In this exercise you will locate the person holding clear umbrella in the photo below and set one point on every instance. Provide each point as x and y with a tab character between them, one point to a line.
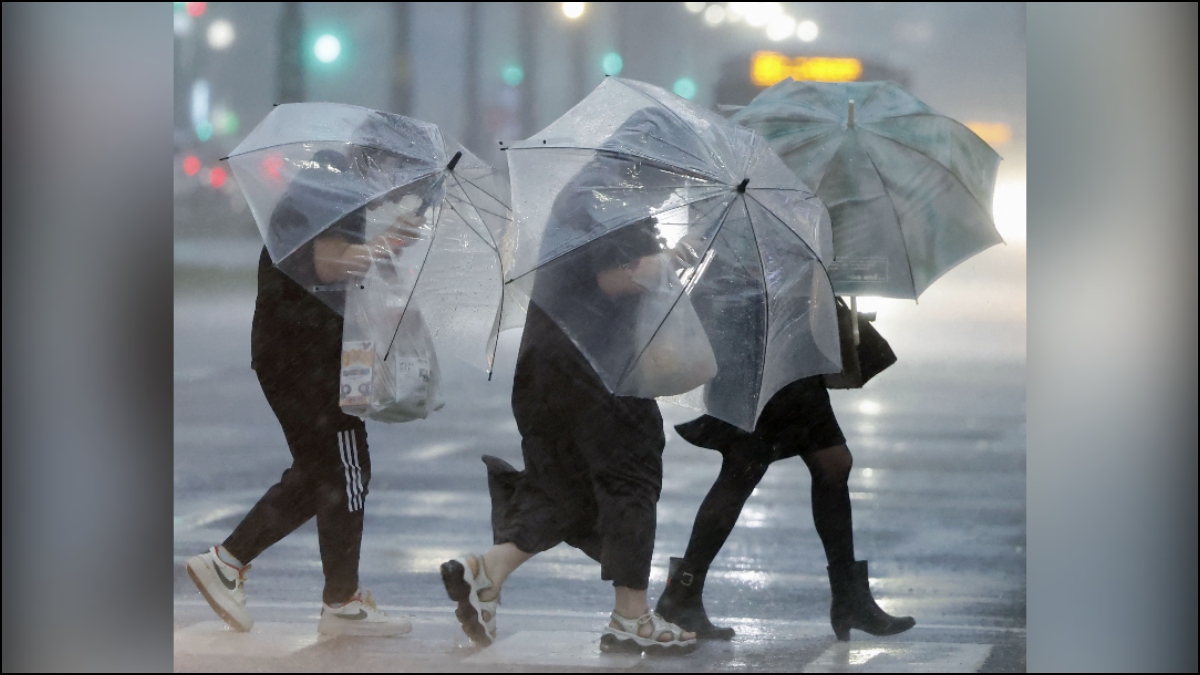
296	343
593	460
797	421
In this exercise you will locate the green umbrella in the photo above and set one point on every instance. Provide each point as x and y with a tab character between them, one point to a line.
909	191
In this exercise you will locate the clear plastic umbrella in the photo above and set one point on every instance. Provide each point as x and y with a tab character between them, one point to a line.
909	191
704	220
307	166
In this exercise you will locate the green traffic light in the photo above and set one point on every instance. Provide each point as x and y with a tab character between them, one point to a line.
226	123
685	87
204	131
513	75
612	63
327	48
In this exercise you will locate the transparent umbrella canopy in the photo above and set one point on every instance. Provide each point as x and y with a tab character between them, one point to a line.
307	166
634	173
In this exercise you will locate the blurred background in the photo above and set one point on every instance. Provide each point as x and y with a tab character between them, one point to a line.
489	72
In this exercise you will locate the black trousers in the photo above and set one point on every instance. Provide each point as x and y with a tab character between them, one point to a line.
328	479
593	461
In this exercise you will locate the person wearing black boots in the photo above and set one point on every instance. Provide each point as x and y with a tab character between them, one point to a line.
797	421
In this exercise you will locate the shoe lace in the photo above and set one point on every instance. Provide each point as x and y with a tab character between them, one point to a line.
241	576
365	596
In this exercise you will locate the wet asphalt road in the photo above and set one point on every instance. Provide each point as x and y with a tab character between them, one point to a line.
938	489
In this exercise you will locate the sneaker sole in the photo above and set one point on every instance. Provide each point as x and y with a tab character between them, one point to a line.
454	579
226	616
611	644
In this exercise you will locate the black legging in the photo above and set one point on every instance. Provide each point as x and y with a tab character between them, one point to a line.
741	473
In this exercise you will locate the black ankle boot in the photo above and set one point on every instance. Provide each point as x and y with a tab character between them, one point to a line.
683	605
853	606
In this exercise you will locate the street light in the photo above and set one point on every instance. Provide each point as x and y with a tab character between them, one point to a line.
220	34
781	28
327	48
807	31
573	10
714	15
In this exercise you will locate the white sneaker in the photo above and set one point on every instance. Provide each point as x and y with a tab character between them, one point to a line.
360	616
221	584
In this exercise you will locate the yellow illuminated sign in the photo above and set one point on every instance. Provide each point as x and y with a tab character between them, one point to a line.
768	68
994	134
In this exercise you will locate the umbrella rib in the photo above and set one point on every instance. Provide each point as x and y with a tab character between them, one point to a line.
492	242
332	140
926	156
473	231
358	205
495	332
484	190
766	290
816	137
907	258
413	292
794	233
677	116
556	257
633	363
642	159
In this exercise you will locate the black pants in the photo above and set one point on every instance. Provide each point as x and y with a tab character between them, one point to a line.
331	468
593	461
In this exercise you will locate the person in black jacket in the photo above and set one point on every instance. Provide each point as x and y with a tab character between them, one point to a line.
295	346
593	460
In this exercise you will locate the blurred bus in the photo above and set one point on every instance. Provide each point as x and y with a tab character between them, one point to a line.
744	76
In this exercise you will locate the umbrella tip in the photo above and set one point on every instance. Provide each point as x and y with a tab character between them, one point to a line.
742	186
454	161
223	158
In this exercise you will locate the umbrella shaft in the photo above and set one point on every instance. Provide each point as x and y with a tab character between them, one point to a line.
854	318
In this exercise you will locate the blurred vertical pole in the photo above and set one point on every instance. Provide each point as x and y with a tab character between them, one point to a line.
473	138
579	84
528	29
289	70
183	79
401	98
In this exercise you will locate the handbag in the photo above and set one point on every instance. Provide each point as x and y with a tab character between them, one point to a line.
677	356
871	356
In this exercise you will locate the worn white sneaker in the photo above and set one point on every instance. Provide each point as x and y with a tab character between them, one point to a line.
361	617
221	585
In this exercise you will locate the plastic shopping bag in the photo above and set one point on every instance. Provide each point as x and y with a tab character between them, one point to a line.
389	366
677	356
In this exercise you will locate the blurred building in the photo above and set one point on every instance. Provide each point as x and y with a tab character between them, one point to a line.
489	72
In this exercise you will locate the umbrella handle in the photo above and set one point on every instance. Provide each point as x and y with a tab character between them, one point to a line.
854	318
